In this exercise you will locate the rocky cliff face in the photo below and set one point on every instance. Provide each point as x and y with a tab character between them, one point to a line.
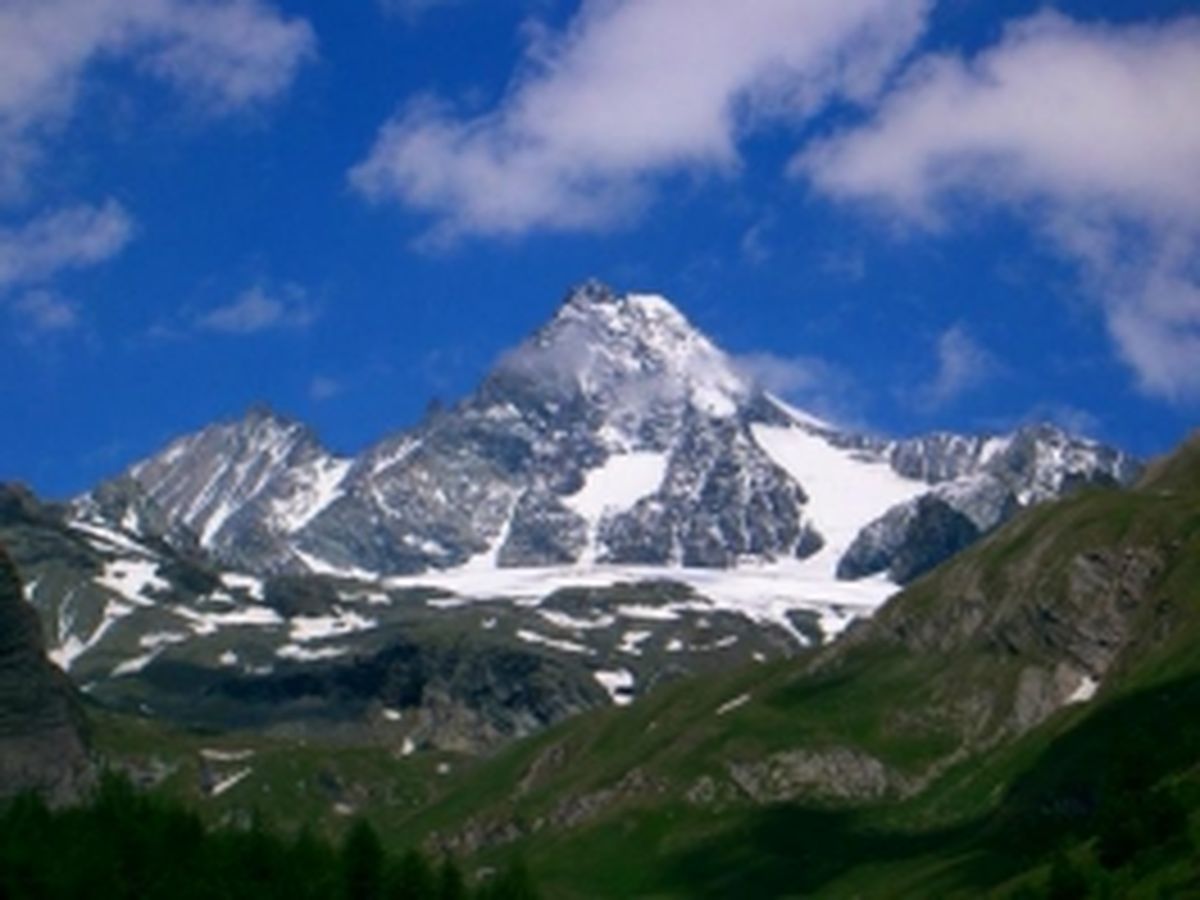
41	726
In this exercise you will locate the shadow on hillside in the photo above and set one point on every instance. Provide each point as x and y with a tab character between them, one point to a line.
794	851
1101	770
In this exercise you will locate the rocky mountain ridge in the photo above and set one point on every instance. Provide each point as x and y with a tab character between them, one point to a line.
617	433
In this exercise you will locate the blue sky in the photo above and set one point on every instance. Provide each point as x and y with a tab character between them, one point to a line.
905	215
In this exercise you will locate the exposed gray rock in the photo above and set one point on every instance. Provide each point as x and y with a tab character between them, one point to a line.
984	481
42	745
722	498
833	774
908	541
543	532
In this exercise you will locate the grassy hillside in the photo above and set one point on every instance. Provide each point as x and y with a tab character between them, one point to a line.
1024	721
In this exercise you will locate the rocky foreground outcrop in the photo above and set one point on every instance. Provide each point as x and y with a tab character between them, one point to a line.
42	745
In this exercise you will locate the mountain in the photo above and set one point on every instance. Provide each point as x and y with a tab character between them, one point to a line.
42	743
615	506
615	434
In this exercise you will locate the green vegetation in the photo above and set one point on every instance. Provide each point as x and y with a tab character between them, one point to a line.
942	750
127	845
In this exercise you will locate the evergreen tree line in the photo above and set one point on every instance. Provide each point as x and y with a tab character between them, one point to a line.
125	845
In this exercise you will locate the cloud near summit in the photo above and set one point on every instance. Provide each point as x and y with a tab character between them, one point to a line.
627	93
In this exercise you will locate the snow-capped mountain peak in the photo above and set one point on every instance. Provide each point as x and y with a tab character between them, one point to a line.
632	358
616	434
262	466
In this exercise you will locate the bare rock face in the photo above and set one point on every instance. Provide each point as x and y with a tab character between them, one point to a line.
42	746
832	774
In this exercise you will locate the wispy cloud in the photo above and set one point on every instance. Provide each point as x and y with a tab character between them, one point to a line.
255	311
323	387
629	91
815	385
42	313
71	238
755	246
1090	133
962	365
225	55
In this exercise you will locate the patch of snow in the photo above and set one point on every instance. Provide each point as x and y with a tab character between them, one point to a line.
723	643
215	755
236	581
315	628
675	645
69	650
992	448
228	658
158	639
132	579
317	486
307	654
114	539
846	491
371	598
318	566
489	623
408	748
206	623
649	613
575	623
617	484
764	592
731	705
227	784
392	715
533	637
446	602
619	684
136	664
1085	691
631	642
401	452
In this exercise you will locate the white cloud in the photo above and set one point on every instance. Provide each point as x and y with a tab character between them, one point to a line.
963	365
71	238
225	54
812	384
1088	131
322	387
255	311
630	91
42	312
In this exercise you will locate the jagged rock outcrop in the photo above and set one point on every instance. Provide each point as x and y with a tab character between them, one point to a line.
42	746
978	485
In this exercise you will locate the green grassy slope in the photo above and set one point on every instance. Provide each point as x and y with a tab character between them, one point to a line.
935	751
